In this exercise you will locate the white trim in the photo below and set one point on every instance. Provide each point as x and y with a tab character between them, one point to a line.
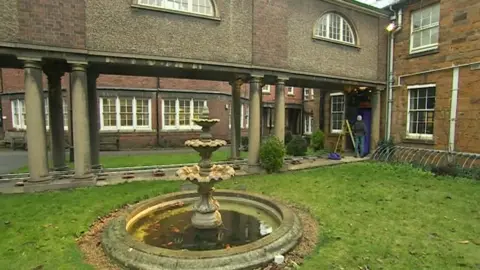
328	16
118	127
418	136
431	46
417	86
308	118
177	6
290	90
336	131
177	127
266	88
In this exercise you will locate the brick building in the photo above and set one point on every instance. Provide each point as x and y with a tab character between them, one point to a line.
146	112
436	78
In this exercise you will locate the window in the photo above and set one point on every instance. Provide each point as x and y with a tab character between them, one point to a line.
308	93
291	91
18	114
178	114
337	109
19	120
242	108
202	7
421	111
269	118
424	29
334	27
125	113
308	124
266	89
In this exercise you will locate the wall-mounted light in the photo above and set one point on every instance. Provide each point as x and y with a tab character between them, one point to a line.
392	26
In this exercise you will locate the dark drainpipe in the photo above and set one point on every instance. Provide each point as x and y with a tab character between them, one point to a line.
323	94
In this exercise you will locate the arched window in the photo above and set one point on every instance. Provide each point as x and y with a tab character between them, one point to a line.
202	7
333	26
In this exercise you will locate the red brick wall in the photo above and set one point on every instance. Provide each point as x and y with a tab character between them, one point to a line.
54	22
459	41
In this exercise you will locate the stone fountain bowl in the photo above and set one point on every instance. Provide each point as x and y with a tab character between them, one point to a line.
203	145
126	249
205	122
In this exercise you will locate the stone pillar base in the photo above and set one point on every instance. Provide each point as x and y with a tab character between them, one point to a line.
61	169
89	177
254	169
30	188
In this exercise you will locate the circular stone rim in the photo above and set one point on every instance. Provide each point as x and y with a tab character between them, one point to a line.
123	248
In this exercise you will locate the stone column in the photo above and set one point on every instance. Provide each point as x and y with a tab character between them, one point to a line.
94	120
236	131
254	122
376	113
81	127
280	109
35	120
57	125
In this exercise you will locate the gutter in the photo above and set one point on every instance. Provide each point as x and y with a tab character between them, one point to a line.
156	111
390	78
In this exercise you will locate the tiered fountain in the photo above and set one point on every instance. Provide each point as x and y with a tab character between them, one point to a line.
205	175
188	230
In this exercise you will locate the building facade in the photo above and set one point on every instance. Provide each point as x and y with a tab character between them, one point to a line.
436	99
328	44
149	112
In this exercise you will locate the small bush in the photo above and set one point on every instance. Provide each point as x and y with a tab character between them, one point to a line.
288	137
317	140
297	146
244	143
272	153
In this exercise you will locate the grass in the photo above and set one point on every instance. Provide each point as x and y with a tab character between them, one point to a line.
118	161
375	215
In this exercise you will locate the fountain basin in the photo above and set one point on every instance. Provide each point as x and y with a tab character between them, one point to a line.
123	244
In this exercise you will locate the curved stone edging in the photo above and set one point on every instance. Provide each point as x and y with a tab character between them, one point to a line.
132	254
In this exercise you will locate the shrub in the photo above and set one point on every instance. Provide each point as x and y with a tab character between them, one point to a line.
297	146
317	140
272	153
244	143
288	137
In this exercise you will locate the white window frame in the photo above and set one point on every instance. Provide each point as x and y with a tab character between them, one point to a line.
318	33
266	88
290	90
312	93
419	135
308	94
172	5
431	46
192	125
270	118
308	124
23	118
15	105
134	126
331	112
230	117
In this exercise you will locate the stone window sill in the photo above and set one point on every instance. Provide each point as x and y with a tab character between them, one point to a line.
423	53
213	18
336	42
127	131
419	141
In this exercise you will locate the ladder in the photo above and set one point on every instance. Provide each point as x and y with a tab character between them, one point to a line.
346	129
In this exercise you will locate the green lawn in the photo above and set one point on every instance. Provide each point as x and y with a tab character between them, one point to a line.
118	161
383	216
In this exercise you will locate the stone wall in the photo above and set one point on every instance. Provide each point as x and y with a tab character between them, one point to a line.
459	40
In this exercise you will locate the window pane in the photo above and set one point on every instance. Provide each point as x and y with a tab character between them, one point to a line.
109	112
142	112
184	113
435	14
169	112
126	112
421	115
197	108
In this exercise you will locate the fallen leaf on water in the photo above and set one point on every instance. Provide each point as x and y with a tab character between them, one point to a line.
464	242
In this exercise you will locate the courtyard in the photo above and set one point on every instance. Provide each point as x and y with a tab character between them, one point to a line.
370	215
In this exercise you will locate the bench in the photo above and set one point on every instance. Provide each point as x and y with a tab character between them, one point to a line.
110	140
16	139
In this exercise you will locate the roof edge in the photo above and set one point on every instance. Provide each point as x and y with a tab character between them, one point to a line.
362	7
